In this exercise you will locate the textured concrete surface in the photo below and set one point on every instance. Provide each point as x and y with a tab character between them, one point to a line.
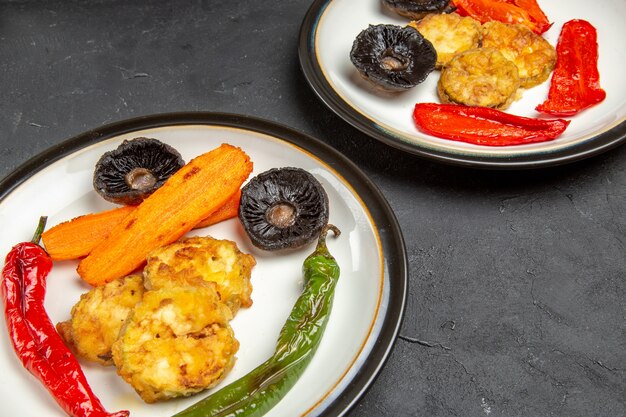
517	301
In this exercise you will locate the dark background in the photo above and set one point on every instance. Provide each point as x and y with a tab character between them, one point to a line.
517	291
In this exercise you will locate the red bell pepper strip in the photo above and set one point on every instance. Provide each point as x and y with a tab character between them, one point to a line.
536	14
523	12
575	83
483	125
34	339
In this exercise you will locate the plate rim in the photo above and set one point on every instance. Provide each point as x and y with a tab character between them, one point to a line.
316	79
395	259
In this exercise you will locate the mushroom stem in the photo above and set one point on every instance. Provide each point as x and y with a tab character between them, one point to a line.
281	215
140	179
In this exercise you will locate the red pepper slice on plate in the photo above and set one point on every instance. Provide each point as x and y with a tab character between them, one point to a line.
35	341
483	125
523	12
536	14
575	83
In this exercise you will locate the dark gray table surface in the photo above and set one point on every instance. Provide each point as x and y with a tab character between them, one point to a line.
517	299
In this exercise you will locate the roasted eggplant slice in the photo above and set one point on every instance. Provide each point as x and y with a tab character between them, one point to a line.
392	57
479	77
417	9
534	57
450	34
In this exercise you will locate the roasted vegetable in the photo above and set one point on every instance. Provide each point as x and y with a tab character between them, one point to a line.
196	260
417	9
176	342
190	195
450	34
479	77
523	12
575	84
75	238
135	169
98	316
34	339
393	58
484	126
283	208
226	211
533	56
261	389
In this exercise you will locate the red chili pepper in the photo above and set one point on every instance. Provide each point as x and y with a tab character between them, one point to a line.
34	339
575	83
523	12
483	125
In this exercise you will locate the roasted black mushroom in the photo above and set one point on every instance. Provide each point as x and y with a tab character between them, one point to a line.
133	171
417	9
394	58
283	208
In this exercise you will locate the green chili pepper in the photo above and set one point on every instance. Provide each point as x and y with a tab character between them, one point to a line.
257	392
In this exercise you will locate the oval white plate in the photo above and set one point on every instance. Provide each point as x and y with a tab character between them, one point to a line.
331	26
370	296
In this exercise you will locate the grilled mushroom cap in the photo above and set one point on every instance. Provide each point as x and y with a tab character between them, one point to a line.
417	9
133	171
394	58
283	208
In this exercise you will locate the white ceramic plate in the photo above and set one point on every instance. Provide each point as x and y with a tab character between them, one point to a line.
369	298
331	26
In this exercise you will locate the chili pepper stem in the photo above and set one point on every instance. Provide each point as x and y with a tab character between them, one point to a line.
321	248
39	231
325	230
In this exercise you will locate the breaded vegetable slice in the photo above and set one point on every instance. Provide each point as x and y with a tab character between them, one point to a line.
479	77
176	342
98	316
199	259
450	34
533	55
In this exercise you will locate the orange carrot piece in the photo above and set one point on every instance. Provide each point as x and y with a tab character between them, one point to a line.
190	195
229	210
75	238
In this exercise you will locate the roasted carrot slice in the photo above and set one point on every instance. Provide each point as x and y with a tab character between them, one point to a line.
75	238
225	212
186	198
